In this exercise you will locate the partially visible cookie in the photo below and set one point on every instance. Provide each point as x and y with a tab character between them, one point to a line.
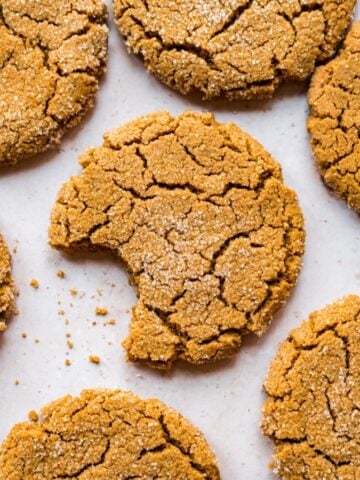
334	99
52	54
198	214
107	435
237	49
313	410
7	288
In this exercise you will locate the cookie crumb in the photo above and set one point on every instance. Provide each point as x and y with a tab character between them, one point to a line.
67	362
94	359
70	344
111	321
17	382
24	335
101	311
34	283
61	312
33	416
60	274
73	292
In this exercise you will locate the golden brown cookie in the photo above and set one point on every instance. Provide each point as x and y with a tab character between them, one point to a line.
51	56
238	49
312	413
334	99
198	214
7	288
107	435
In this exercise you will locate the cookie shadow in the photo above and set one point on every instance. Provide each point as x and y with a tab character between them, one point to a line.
219	105
9	322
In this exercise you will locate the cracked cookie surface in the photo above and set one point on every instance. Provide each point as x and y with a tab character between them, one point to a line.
107	435
312	413
237	49
7	288
51	56
198	214
334	100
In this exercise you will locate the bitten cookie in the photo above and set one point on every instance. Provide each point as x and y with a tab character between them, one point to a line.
334	99
107	435
238	49
52	54
198	214
312	413
7	288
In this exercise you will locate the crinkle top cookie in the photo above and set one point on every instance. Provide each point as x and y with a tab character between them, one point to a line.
239	49
198	214
7	288
312	413
107	435
51	56
334	99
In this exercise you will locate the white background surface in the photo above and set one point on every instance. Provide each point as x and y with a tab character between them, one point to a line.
223	400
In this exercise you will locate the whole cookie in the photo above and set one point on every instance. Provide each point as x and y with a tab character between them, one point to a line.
312	413
51	56
107	435
7	288
334	99
198	214
239	49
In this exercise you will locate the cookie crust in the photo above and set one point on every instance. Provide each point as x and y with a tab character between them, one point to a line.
198	214
239	49
51	57
7	288
334	100
107	435
312	413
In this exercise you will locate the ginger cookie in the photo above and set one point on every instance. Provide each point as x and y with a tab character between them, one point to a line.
107	435
238	49
198	214
312	413
7	288
51	57
334	99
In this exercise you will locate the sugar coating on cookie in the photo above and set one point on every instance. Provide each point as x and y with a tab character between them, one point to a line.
198	214
7	288
312	413
107	435
238	49
51	56
334	100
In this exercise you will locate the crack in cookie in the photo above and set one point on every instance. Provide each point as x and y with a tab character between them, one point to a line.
7	287
51	58
334	100
312	413
198	214
107	435
239	49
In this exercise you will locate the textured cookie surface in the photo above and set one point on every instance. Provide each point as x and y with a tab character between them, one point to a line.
107	435
237	48
198	213
312	413
7	289
334	99
51	55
